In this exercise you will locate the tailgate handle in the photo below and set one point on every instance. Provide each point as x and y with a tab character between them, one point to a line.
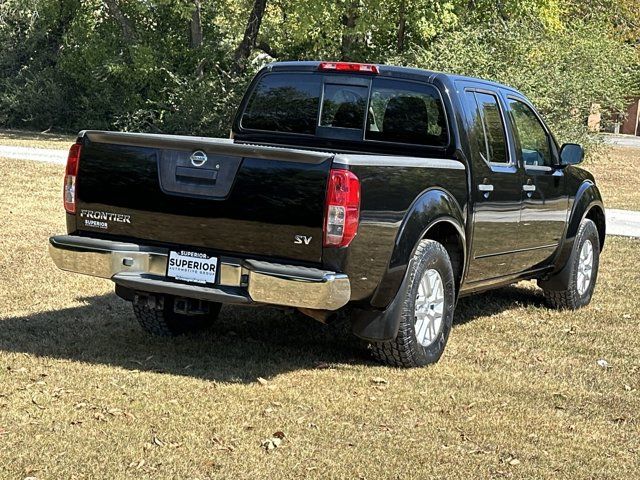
197	174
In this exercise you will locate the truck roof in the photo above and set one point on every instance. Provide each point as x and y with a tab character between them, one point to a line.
394	70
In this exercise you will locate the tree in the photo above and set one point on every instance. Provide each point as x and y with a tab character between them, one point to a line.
242	53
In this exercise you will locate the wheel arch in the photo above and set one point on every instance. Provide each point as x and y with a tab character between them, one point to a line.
597	216
450	234
587	204
434	215
435	212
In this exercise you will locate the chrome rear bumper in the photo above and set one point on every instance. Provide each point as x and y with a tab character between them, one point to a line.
239	281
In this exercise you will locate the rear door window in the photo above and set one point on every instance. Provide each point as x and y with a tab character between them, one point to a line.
285	103
487	126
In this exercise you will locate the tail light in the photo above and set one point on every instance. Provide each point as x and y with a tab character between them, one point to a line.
342	208
349	67
69	194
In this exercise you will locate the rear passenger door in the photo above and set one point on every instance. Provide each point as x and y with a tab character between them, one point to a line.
496	185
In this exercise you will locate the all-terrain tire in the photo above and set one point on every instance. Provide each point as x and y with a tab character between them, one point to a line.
568	296
405	350
156	316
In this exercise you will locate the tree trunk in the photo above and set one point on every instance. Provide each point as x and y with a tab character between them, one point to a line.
349	36
196	25
402	23
196	37
250	37
128	32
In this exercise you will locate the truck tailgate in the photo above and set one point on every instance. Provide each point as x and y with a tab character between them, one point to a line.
210	194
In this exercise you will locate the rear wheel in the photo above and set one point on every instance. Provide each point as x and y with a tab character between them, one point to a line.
168	316
427	312
577	288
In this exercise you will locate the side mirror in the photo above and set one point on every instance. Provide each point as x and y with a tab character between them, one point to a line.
571	154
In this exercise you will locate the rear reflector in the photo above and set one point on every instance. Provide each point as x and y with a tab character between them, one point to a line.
71	173
342	211
348	67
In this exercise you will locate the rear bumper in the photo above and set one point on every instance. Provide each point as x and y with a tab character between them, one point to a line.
142	268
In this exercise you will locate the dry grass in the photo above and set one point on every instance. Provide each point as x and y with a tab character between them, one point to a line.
616	172
21	138
84	393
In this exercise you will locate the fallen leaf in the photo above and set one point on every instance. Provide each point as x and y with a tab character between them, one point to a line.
271	443
262	381
157	441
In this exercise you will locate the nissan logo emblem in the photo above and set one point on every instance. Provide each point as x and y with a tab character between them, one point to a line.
198	158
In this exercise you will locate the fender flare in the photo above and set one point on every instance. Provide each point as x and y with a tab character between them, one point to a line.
587	198
431	208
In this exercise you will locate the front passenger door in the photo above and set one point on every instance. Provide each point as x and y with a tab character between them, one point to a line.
545	202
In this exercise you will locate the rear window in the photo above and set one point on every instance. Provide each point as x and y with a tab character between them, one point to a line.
404	112
385	110
284	103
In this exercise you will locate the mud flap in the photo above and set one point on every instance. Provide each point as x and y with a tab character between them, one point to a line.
380	325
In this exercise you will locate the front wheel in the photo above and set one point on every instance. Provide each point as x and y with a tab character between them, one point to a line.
427	311
576	287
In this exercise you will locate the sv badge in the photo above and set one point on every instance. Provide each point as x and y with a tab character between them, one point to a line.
301	240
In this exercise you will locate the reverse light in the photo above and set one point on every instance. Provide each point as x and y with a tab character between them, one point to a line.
342	211
348	67
71	173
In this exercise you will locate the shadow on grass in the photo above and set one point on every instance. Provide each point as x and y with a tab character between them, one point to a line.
496	301
245	343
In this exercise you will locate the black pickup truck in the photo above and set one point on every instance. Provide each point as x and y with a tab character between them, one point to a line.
381	191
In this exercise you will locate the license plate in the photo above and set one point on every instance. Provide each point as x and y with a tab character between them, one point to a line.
192	267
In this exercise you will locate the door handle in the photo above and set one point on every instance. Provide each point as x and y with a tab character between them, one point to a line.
486	188
529	189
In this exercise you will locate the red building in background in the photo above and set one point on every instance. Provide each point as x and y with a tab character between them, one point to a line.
631	125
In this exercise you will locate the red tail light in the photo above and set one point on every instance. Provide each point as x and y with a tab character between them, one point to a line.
348	67
69	194
342	211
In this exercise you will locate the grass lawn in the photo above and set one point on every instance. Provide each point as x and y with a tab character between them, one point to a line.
21	138
615	172
84	393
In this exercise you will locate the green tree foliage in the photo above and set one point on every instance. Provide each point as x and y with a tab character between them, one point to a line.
181	66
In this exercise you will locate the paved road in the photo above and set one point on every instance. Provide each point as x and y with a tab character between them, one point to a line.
619	222
621	140
37	154
625	223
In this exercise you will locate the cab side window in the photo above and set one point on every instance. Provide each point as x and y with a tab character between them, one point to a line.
534	143
487	126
